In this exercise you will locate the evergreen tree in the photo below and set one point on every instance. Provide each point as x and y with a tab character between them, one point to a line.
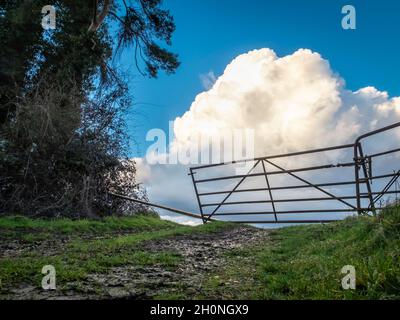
62	103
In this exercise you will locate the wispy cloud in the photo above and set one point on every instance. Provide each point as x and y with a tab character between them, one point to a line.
208	79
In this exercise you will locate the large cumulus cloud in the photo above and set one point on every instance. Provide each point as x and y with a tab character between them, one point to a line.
292	103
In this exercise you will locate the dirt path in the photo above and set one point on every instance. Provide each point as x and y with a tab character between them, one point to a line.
203	254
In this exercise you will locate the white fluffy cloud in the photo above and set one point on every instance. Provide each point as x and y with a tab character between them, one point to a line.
293	103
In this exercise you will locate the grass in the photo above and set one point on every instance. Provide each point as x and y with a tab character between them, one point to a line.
305	262
68	226
88	247
301	262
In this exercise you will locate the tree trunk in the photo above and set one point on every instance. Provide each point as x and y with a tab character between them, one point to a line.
98	19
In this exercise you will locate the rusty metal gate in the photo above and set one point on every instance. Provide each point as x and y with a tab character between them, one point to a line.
360	184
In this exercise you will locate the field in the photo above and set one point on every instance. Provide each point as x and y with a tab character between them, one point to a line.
143	257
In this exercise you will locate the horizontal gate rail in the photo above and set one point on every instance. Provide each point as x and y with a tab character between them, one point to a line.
383	153
285	212
285	155
283	221
279	200
329	166
333	184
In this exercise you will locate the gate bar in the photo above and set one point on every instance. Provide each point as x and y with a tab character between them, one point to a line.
283	171
197	194
185	213
289	212
311	184
237	186
298	153
269	190
296	187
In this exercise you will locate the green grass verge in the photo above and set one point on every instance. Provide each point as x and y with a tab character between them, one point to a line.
67	226
305	262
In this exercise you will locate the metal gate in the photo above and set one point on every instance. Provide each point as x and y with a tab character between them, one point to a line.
364	188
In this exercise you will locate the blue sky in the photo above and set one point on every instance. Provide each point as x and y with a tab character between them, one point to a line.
210	33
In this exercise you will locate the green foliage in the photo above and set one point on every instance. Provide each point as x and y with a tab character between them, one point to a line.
63	141
143	26
20	42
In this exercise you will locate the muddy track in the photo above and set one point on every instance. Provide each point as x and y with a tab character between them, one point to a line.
203	255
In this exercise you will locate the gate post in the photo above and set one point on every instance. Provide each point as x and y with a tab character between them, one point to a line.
357	177
367	177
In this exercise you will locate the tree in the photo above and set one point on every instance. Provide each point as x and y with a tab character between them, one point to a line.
20	41
62	132
141	23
